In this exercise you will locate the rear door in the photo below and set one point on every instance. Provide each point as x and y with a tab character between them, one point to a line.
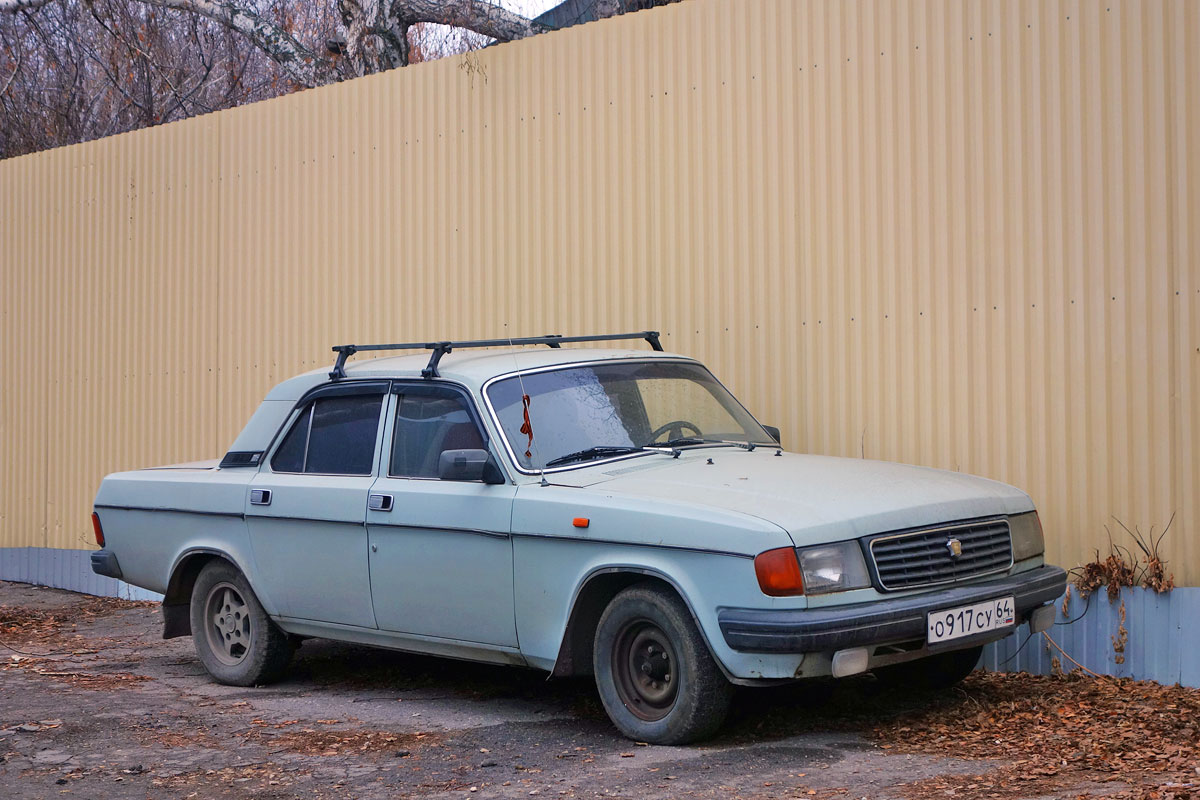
441	555
306	508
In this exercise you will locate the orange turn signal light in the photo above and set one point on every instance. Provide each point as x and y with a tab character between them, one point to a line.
779	573
97	529
581	522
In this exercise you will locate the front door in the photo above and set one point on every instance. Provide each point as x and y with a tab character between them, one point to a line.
306	509
441	555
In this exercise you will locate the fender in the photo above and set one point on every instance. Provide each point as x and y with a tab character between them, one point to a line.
575	649
176	604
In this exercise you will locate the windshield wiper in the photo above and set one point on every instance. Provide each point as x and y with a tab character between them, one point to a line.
598	451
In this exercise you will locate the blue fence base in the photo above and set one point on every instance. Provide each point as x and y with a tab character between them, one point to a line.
1140	635
64	569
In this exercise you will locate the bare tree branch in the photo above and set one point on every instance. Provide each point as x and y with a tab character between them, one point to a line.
81	69
475	15
299	62
381	21
13	76
13	6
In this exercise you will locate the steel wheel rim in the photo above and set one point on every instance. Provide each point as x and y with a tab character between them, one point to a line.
227	624
645	666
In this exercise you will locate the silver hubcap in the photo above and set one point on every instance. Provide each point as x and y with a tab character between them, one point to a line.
228	622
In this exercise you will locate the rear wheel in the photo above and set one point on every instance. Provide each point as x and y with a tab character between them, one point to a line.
939	671
235	639
654	673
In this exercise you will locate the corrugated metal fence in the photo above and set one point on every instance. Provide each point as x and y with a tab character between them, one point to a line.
960	234
1140	635
63	568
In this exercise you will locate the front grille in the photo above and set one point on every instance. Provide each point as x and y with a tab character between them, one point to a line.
923	558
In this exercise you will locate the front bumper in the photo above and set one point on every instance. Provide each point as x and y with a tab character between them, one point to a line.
879	622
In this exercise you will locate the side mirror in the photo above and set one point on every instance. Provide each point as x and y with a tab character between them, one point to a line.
469	465
771	429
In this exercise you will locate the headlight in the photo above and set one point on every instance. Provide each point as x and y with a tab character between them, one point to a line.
1027	541
833	568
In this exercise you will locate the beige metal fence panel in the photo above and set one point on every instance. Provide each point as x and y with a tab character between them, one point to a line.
958	234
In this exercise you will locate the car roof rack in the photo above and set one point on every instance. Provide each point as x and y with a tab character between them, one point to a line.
344	351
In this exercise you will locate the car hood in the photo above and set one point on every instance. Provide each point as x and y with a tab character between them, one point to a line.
814	498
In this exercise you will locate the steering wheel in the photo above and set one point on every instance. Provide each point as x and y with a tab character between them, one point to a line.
675	428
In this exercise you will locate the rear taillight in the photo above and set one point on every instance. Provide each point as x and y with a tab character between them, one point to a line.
99	530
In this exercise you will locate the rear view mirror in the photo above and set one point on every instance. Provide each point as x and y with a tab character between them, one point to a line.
771	429
469	465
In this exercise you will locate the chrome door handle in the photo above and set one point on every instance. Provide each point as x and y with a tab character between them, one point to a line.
260	497
379	502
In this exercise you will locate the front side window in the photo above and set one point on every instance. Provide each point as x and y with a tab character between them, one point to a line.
332	436
579	414
429	421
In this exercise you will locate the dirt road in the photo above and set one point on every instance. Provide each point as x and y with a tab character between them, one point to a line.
94	704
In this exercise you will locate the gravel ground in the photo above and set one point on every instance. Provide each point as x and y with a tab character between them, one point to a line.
94	704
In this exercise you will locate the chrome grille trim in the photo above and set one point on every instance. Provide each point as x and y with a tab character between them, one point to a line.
914	559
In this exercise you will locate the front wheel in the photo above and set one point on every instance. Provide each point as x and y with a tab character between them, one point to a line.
236	641
655	676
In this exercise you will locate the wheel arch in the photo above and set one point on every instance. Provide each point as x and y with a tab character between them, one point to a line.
177	599
595	592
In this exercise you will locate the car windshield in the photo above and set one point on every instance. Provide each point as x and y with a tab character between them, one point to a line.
579	414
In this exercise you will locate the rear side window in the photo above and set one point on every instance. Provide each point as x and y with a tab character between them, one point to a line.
332	436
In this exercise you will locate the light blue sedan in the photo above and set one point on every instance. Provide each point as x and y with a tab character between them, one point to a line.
613	512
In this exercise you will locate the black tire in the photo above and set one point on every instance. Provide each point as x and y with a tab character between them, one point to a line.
655	676
939	671
236	641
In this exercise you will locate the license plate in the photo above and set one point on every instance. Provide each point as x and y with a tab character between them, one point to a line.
954	623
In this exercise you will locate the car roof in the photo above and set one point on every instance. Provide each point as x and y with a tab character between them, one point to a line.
471	367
